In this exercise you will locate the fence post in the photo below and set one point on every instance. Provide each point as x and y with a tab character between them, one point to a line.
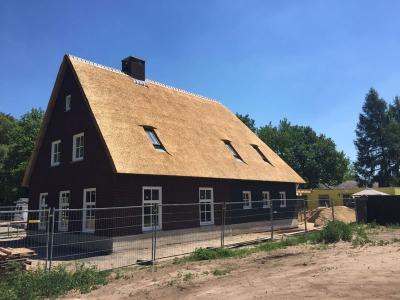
52	216
333	209
223	225
47	238
305	214
153	233
155	228
271	218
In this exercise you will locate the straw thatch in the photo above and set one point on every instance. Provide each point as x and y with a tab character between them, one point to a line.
190	127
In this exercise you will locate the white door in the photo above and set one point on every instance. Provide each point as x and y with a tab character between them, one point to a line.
206	203
43	211
152	209
63	211
89	212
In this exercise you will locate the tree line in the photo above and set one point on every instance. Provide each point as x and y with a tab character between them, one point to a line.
313	156
17	139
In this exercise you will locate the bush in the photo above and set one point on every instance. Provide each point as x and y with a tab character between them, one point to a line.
38	284
335	231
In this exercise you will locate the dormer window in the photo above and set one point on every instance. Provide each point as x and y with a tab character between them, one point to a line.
68	103
55	153
261	154
151	134
232	150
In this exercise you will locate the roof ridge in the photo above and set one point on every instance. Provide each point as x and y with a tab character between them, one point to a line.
181	90
140	82
137	81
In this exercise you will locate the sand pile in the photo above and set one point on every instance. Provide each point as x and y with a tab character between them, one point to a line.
321	215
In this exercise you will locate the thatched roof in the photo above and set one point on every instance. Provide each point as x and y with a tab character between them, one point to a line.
192	129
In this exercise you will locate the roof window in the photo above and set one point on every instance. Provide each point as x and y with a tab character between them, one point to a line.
232	150
151	134
261	154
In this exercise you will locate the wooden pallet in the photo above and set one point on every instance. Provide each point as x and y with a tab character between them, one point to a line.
10	257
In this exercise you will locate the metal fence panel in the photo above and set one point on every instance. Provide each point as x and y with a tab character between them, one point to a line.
122	236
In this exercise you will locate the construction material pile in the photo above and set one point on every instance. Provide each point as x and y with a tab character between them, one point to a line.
10	257
321	215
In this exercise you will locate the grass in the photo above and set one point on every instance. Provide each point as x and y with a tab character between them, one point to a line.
201	254
220	272
40	284
333	232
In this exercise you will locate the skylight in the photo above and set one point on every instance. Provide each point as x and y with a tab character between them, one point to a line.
232	150
151	134
261	154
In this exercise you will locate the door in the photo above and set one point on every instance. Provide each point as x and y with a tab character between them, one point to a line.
89	210
206	204
152	209
43	211
63	211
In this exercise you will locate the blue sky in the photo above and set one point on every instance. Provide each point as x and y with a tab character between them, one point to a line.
311	62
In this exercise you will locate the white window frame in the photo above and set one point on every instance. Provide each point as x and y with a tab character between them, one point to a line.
63	209
75	138
248	206
85	204
159	202
68	99
54	154
266	198
207	201
282	197
42	210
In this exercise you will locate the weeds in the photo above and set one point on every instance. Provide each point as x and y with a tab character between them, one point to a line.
220	272
38	284
336	231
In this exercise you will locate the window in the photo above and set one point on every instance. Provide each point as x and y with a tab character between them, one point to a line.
152	208
232	150
43	211
78	147
246	199
323	200
89	210
206	203
63	211
68	103
154	139
266	200
55	153
261	154
282	197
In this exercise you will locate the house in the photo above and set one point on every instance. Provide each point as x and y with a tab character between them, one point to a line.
340	194
112	138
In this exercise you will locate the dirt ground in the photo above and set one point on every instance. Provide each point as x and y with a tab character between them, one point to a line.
313	272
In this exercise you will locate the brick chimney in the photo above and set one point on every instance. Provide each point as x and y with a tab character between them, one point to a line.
134	67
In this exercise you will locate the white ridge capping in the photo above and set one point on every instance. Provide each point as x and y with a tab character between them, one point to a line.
139	82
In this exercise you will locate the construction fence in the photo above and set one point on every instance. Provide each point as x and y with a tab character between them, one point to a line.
123	236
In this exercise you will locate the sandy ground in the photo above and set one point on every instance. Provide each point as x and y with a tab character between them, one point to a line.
340	271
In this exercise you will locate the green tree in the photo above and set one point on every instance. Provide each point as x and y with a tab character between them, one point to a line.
8	125
393	139
312	156
20	142
372	142
249	122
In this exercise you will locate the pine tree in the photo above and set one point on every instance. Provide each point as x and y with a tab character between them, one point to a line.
373	159
393	138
